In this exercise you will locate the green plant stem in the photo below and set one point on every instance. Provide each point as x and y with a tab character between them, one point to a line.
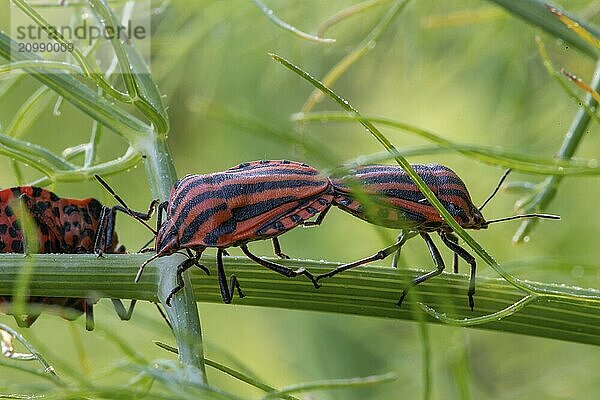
141	88
370	291
487	154
361	50
565	84
77	93
130	159
423	188
269	13
537	13
34	354
231	372
32	154
426	359
350	11
40	64
184	312
331	384
542	198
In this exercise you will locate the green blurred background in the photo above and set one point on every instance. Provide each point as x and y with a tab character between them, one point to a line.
463	68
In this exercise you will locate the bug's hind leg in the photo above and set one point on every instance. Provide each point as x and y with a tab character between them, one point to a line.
469	259
141	215
402	238
124	314
454	239
89	314
25	321
277	249
290	273
380	255
439	264
226	290
320	217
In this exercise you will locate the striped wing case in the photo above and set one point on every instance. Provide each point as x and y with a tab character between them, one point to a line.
252	201
385	195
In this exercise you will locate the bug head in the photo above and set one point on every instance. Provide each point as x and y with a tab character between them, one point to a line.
475	219
167	241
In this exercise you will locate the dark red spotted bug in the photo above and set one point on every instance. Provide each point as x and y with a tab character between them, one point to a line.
385	195
63	226
253	201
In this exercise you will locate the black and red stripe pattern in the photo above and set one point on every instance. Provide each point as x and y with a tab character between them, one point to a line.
63	226
396	202
385	195
252	201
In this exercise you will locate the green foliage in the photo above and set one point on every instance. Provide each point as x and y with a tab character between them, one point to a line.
464	76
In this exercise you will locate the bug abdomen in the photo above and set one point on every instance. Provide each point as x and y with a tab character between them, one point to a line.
251	201
381	212
396	202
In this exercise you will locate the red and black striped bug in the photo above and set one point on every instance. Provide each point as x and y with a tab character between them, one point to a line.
63	225
252	201
394	201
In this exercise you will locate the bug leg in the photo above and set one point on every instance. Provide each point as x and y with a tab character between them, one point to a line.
380	255
163	315
402	238
145	247
181	268
439	264
25	321
196	263
89	315
290	273
106	224
226	290
469	259
453	238
141	269
319	219
225	253
277	249
141	215
162	207
124	315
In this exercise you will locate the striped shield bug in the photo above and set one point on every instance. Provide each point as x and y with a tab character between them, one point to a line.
385	195
63	225
252	201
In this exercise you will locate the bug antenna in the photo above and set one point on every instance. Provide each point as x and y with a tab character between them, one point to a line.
496	189
141	270
122	202
534	215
